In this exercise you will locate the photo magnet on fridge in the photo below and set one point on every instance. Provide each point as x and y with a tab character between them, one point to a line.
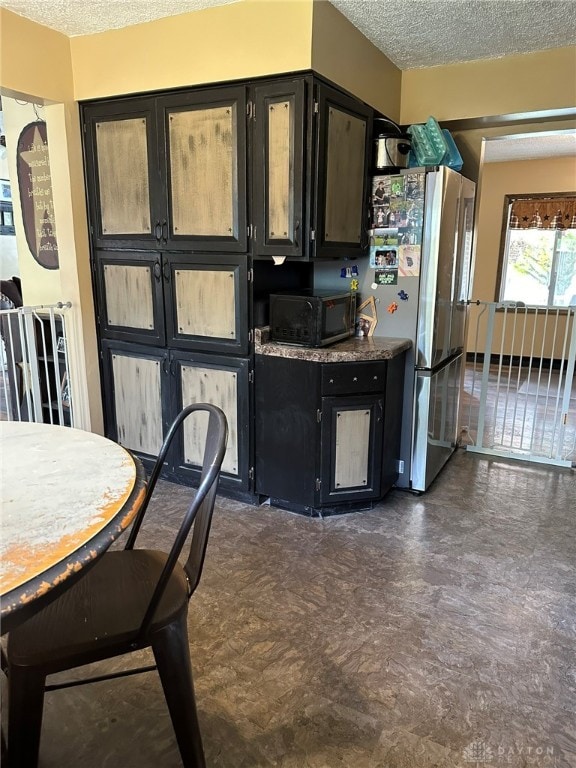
409	260
386	276
383	257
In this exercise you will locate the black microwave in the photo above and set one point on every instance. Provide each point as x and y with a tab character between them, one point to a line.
312	319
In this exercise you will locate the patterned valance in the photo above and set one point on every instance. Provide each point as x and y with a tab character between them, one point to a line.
543	213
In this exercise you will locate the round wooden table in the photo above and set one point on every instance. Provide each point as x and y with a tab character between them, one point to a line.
65	496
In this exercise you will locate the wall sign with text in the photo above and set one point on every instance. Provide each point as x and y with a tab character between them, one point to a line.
35	183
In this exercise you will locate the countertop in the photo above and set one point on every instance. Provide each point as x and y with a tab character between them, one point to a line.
350	350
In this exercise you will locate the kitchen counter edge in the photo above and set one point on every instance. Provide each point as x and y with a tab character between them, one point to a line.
350	350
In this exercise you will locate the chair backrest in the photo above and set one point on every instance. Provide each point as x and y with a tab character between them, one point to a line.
200	510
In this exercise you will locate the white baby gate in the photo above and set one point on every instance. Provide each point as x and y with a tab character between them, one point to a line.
518	398
35	374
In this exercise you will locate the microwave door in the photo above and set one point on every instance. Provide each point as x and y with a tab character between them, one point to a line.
337	319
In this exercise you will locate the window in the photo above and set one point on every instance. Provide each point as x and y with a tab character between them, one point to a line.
6	219
538	257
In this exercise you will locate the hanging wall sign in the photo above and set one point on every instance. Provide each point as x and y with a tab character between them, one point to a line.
35	183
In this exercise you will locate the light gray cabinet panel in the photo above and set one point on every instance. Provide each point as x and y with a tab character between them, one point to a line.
206	303
352	448
219	387
122	152
137	383
278	164
130	296
342	174
346	147
202	179
129	299
281	169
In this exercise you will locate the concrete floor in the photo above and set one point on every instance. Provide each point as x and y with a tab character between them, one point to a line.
434	631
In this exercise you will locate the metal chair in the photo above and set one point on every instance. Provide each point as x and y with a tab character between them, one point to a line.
129	600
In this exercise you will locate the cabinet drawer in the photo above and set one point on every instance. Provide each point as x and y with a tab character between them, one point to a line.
353	378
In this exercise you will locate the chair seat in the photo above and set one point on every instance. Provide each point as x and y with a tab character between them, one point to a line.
101	611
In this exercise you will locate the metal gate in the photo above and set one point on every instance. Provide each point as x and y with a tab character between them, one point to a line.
34	369
519	399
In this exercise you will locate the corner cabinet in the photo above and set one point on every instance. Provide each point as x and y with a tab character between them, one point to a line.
327	434
186	191
340	197
311	168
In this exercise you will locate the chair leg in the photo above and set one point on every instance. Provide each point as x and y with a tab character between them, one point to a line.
25	705
172	655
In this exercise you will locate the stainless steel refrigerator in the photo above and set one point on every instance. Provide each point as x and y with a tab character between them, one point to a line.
419	274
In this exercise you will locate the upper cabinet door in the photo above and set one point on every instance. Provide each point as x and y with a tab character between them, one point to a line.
279	122
123	174
342	174
205	165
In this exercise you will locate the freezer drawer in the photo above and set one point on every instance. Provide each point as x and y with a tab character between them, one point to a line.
437	396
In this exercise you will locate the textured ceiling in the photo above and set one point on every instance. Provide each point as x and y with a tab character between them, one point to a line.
412	33
427	33
531	146
77	17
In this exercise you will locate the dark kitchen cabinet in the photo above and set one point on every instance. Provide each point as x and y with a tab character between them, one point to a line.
147	387
207	302
222	381
279	160
351	448
340	200
169	171
130	296
187	301
190	195
311	164
320	431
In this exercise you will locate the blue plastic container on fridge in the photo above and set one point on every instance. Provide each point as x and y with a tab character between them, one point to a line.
452	158
428	142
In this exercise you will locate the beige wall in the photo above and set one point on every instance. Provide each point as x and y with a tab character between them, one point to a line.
242	40
64	141
498	180
342	54
247	39
530	82
34	60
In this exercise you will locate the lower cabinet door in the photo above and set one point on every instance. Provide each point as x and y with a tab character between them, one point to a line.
136	396
221	381
351	448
